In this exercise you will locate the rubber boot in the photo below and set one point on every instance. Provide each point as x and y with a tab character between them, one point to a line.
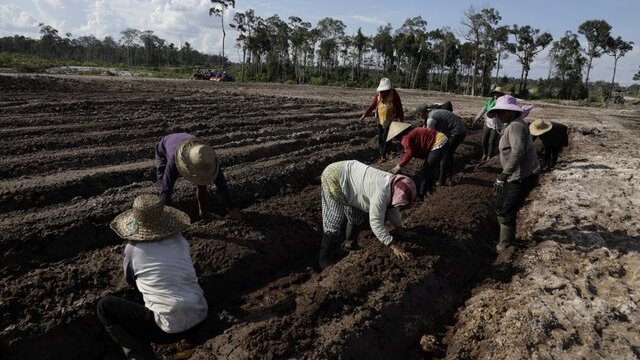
351	237
327	248
507	236
133	348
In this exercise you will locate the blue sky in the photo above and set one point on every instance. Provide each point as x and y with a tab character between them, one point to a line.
187	20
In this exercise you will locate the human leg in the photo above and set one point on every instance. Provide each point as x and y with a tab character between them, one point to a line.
333	219
132	326
429	167
486	143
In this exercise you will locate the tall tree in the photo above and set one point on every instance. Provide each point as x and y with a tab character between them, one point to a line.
361	45
476	24
218	9
617	48
636	77
568	62
48	40
597	33
298	37
331	31
129	38
383	45
501	39
529	42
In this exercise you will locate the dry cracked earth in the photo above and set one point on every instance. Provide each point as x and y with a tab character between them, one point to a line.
77	150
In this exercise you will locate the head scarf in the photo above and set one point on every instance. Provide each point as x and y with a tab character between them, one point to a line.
403	191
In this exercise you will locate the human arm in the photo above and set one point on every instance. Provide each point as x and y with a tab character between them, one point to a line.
168	182
516	136
408	152
222	190
371	107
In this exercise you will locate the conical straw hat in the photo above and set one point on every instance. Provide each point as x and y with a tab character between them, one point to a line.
396	128
197	162
149	220
539	127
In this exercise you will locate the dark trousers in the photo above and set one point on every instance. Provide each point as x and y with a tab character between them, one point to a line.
132	326
489	141
446	164
512	198
382	139
425	178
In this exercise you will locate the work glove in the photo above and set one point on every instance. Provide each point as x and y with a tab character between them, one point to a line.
396	169
498	187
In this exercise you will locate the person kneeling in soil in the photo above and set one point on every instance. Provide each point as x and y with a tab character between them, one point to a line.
350	191
520	167
422	143
388	108
453	127
183	154
554	137
157	263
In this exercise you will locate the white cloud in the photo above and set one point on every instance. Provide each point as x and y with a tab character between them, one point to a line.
15	21
367	20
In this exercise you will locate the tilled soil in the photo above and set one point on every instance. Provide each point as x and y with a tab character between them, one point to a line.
77	150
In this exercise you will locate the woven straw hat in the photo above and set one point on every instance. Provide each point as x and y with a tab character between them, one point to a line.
197	162
396	128
385	84
149	220
498	90
539	127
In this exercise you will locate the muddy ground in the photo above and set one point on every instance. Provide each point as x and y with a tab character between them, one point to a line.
77	150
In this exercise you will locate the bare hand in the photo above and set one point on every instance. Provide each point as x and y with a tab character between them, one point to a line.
235	214
399	252
396	169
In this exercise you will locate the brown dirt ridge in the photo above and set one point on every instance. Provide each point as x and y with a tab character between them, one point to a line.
77	150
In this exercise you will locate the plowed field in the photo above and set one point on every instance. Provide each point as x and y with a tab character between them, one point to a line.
76	151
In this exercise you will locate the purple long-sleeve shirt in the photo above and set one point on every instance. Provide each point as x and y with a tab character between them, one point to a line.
168	173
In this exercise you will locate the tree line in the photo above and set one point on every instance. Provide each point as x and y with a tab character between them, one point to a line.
468	60
133	48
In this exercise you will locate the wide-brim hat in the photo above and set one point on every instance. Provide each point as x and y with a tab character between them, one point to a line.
396	128
539	127
505	102
197	162
149	220
385	84
498	90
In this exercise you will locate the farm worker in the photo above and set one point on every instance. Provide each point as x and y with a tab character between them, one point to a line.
351	191
388	108
492	127
554	137
158	264
520	167
452	126
423	143
183	154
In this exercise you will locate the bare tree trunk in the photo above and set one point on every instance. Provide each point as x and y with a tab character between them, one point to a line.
613	79
586	82
224	34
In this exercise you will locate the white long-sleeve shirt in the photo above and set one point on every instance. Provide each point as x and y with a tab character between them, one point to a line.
167	280
369	190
